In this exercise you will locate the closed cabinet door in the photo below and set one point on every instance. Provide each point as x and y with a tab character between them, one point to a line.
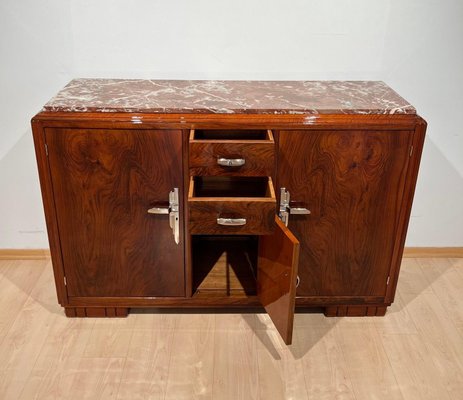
104	183
353	184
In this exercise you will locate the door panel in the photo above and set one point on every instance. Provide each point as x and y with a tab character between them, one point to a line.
104	181
353	184
276	277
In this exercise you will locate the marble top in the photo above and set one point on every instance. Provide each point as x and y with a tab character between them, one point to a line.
227	97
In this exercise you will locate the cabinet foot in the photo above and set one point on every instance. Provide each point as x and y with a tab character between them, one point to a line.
96	312
355	311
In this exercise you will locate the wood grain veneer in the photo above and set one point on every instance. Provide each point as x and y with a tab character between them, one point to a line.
259	154
276	277
41	152
225	121
104	181
353	183
406	209
251	200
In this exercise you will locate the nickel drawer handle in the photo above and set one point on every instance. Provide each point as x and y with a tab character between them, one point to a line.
299	210
231	221
231	162
159	210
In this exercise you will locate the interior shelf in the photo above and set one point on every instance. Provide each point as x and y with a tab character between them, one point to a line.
225	264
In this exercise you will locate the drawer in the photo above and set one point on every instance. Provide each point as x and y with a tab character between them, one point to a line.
231	153
231	205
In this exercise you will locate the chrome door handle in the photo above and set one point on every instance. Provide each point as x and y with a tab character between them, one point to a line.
285	209
298	210
173	212
231	162
159	210
231	221
174	222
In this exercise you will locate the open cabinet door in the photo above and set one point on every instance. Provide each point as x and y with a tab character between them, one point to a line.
276	277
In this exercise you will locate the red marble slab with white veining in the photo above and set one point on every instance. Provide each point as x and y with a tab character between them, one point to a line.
226	97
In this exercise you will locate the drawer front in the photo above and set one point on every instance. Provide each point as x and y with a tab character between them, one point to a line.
231	206
259	216
213	157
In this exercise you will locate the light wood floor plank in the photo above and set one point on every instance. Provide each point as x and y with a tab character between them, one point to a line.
457	263
397	319
280	372
23	342
414	352
411	278
310	319
147	365
55	369
323	364
235	322
460	330
191	365
4	266
97	378
196	320
413	368
446	283
235	365
367	363
440	339
17	281
154	319
110	338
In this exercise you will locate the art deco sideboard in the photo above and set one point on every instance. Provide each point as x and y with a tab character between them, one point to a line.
227	194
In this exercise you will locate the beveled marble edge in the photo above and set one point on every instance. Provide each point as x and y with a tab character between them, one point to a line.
228	97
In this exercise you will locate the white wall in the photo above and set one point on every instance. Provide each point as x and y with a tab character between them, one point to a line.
414	46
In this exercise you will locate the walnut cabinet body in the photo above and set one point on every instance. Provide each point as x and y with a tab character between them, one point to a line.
100	173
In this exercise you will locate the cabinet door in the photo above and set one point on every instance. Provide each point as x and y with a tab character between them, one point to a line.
276	277
104	181
353	184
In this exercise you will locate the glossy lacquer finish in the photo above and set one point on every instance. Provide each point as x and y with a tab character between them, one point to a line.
276	277
353	183
257	155
252	200
104	181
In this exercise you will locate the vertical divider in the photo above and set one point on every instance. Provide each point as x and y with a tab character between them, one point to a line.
186	182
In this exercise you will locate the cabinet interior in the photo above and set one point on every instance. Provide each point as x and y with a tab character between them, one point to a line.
229	134
230	186
225	265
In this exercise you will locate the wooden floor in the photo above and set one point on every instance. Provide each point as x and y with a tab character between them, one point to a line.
415	352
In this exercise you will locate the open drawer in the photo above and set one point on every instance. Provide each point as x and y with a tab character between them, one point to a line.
231	152
231	206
